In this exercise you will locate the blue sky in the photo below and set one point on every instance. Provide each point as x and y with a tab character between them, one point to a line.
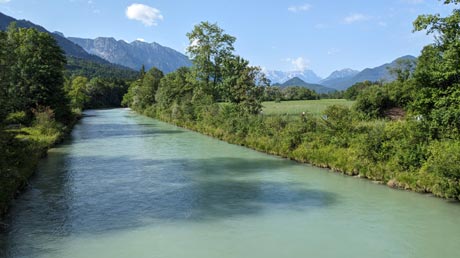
278	35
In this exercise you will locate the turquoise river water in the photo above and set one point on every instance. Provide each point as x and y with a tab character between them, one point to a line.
125	185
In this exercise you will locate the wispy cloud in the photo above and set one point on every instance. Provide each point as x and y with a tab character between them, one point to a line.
333	51
299	63
321	26
299	8
148	15
413	1
356	17
4	1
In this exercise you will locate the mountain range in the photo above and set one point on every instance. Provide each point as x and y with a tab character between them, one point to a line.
342	79
108	53
369	74
134	54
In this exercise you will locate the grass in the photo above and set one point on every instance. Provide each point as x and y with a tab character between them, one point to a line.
315	107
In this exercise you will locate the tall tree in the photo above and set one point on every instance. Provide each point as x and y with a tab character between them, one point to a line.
5	73
37	71
144	93
174	87
209	48
78	92
438	72
243	84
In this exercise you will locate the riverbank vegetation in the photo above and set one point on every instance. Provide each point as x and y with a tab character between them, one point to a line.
40	101
403	133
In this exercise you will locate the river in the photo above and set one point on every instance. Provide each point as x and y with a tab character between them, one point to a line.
125	185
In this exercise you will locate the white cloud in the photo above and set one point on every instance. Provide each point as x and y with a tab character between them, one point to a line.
299	8
299	63
356	17
149	16
4	1
383	24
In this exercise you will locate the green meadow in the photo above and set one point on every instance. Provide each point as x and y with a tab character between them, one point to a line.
314	107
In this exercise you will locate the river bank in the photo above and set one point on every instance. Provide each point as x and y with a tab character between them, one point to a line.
381	151
22	149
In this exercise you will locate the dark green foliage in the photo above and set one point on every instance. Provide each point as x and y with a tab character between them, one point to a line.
91	69
104	93
37	71
175	87
353	92
243	84
5	76
77	90
209	48
146	88
275	93
444	157
373	101
298	93
437	75
32	73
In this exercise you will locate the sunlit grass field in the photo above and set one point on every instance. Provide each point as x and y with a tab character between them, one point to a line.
315	107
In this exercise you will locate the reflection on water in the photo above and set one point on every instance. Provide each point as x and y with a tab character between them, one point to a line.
130	185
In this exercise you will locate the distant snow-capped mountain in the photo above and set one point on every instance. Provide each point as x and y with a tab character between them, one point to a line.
281	77
340	74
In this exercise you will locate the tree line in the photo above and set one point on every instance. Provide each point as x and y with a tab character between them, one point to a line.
35	75
218	76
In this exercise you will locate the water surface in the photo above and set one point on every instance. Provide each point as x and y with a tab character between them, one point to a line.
129	186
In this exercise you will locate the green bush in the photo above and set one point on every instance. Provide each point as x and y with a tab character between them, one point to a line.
373	101
443	161
45	121
17	118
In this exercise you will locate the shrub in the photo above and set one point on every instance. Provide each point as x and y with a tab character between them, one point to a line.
17	118
443	160
45	121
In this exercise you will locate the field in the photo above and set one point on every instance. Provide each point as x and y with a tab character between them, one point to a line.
315	107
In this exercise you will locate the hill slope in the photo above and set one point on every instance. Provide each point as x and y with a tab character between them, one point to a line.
299	82
79	62
70	48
